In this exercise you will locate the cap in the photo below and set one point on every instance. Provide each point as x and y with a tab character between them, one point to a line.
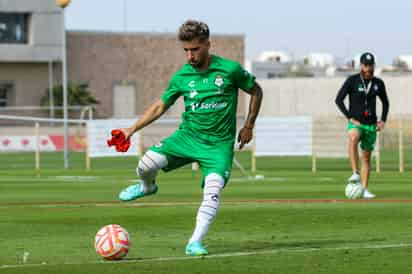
367	59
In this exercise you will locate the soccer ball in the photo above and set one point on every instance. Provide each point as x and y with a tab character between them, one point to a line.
112	242
353	190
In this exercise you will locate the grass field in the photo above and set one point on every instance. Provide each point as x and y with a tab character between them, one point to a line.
290	222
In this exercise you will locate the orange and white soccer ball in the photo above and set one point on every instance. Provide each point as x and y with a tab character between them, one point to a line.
112	242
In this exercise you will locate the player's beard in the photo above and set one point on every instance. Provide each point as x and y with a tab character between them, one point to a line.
367	74
203	59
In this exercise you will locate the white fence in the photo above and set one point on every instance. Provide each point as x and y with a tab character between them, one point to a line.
99	131
314	137
283	136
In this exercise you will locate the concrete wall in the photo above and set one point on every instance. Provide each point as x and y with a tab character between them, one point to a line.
45	32
316	96
104	59
30	81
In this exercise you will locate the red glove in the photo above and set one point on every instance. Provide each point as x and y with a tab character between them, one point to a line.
119	141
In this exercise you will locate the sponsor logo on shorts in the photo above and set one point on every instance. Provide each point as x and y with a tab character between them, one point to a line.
159	145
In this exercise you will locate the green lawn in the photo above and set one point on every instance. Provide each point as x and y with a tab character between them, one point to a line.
290	222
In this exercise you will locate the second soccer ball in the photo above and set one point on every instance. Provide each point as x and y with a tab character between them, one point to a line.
353	191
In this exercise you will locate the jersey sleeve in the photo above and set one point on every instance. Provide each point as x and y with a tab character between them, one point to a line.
343	92
244	80
385	102
171	93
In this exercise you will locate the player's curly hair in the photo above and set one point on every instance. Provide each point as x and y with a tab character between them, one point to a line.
192	29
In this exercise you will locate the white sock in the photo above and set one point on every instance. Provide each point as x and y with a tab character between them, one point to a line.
208	209
148	167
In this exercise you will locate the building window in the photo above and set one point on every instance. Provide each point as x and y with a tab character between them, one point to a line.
5	94
14	28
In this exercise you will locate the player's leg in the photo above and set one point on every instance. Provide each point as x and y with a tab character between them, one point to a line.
367	146
147	169
167	155
216	164
354	137
206	214
365	169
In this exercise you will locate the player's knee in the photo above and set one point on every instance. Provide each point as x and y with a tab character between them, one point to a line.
366	158
214	180
354	136
211	198
354	139
150	163
214	183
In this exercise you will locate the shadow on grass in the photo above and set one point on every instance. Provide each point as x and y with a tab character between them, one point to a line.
256	246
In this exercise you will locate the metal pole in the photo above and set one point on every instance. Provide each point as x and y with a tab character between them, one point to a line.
401	157
378	152
51	96
125	16
37	149
314	148
65	114
126	76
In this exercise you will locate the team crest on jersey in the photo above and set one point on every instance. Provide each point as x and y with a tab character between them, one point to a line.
375	87
219	80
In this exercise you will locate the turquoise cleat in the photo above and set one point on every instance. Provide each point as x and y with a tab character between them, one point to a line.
134	192
196	249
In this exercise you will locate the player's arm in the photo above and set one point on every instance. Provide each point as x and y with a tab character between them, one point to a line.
340	101
246	133
385	107
151	114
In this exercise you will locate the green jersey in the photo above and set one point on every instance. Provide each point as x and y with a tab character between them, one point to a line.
210	98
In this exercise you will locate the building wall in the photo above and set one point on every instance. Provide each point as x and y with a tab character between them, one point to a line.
30	82
144	60
45	31
316	96
103	60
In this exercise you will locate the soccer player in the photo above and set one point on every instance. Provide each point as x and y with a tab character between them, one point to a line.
209	85
363	88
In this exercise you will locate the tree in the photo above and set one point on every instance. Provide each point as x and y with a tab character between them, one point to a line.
78	95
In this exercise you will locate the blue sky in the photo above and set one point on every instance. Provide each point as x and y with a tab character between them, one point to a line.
343	28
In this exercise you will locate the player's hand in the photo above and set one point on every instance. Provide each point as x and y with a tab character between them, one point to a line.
380	125
355	122
119	140
127	132
244	137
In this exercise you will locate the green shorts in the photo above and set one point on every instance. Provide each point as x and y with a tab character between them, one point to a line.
182	148
367	135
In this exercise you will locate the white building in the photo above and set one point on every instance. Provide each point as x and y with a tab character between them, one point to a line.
319	60
275	57
404	61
